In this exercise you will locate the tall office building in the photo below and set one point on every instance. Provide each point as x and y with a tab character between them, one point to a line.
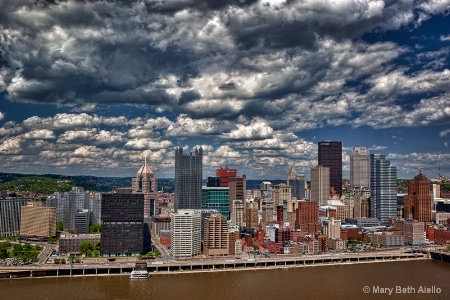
145	182
359	168
281	192
267	209
299	186
67	205
383	188
237	217
320	185
418	202
122	224
238	189
224	174
38	220
251	217
216	235
95	208
185	230
188	179
330	155
10	214
82	221
217	198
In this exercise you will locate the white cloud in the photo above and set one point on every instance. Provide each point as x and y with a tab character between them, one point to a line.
2	116
145	143
444	38
444	133
40	134
257	129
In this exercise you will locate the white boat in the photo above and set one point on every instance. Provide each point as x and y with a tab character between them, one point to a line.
139	274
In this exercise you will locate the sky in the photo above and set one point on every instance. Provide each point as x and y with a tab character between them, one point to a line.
93	87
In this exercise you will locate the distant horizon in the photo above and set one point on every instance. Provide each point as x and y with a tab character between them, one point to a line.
257	179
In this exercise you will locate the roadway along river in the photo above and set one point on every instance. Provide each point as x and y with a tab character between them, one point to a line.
425	279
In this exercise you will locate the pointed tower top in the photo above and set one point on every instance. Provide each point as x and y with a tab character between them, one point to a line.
292	173
145	169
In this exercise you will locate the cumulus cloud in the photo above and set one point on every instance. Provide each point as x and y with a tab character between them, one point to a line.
242	78
42	134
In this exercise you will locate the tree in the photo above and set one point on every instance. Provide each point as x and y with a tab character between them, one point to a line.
157	252
95	228
56	260
86	246
97	246
3	253
63	261
59	226
96	253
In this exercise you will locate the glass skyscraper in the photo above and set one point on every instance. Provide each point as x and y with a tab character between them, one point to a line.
383	186
359	168
188	179
217	198
330	155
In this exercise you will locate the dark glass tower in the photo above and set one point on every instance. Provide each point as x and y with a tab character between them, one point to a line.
330	155
383	188
122	224
188	179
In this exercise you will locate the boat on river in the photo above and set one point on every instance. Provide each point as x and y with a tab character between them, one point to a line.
139	275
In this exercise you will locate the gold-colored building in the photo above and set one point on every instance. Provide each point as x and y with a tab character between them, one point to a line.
38	220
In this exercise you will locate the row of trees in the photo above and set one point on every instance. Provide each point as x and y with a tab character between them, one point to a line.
151	254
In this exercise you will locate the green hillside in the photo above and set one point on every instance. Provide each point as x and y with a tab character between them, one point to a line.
38	184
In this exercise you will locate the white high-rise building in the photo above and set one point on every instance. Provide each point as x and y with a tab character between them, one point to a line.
185	230
320	185
359	168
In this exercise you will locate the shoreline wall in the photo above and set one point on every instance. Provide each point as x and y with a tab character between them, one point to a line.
195	266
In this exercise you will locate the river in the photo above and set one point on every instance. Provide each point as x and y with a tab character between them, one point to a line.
424	279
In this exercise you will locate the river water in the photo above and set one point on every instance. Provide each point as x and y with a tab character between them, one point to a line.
424	279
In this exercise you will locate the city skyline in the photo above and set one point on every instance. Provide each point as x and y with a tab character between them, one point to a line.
92	88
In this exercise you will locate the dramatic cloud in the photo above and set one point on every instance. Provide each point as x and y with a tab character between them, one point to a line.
94	86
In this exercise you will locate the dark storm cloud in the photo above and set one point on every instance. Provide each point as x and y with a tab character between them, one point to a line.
207	59
188	96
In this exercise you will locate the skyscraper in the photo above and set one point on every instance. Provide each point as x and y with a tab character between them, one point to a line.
359	168
122	224
383	187
217	198
320	185
10	214
38	220
238	188
298	184
145	182
330	155
185	230
418	201
216	235
188	179
224	174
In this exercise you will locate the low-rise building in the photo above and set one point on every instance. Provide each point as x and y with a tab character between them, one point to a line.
71	243
414	233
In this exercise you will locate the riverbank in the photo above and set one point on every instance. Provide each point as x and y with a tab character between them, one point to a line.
183	267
